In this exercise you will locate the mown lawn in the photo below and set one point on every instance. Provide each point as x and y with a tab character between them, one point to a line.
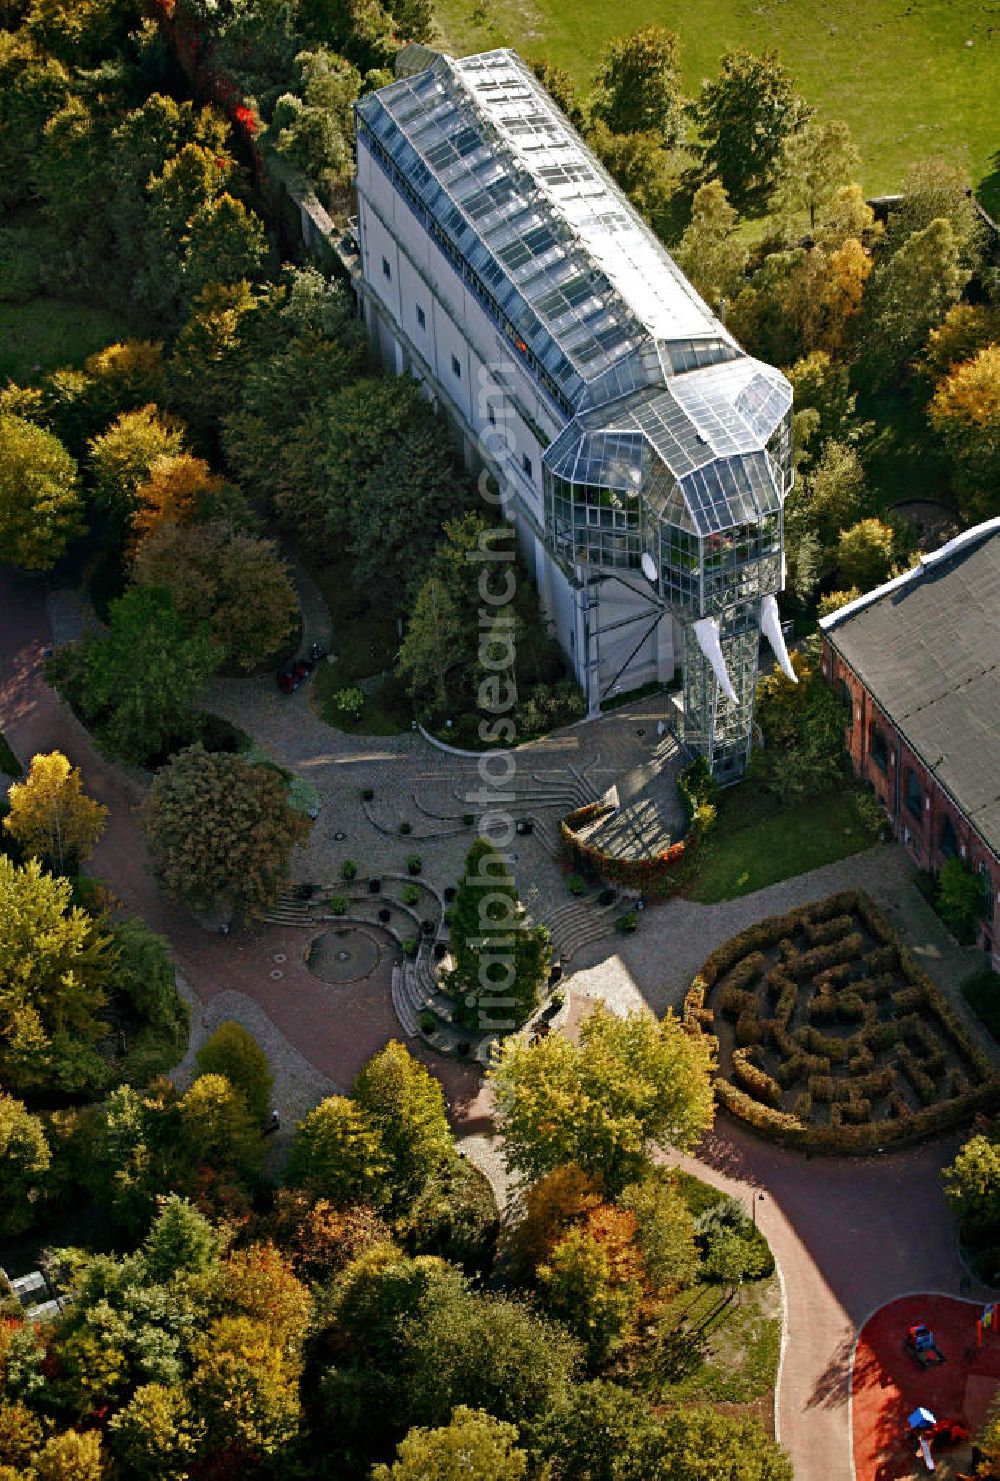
779	844
901	75
47	333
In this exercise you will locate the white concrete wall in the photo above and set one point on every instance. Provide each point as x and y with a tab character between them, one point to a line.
490	376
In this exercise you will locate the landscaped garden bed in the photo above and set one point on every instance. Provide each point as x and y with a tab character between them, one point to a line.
831	1037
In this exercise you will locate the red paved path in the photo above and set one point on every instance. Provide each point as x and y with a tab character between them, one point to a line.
888	1385
848	1236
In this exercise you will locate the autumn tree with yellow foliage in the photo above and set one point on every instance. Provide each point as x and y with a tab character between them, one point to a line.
965	412
51	817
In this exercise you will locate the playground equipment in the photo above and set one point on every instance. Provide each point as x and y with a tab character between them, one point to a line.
921	1346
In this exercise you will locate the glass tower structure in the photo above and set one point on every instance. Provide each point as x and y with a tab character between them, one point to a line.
666	478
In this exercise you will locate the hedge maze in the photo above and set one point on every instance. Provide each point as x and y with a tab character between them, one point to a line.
831	1036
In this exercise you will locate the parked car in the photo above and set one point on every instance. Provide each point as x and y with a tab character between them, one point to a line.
294	673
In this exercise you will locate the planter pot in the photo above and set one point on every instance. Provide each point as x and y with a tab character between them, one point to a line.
555	973
427	927
384	915
374	885
450	893
440	951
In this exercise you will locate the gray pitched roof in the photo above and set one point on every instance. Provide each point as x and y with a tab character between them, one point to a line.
927	646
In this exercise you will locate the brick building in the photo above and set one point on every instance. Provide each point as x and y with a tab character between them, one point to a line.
918	660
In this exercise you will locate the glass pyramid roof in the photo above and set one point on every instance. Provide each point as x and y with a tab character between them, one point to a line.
523	200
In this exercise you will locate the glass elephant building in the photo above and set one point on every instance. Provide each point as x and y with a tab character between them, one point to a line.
642	455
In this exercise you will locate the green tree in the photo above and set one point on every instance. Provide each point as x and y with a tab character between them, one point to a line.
156	1435
221	831
816	161
226	243
181	1241
932	189
24	1160
865	553
965	412
53	966
143	974
561	88
704	1445
581	1286
906	298
603	1433
631	1084
337	1154
664	1233
395	520
432	644
638	84
646	170
313	126
960	899
20	1436
72	1455
137	686
233	1052
41	510
51	817
217	1130
122	458
473	1447
245	1387
972	1184
709	252
501	963
822	384
211	356
745	117
404	1104
234	583
836	493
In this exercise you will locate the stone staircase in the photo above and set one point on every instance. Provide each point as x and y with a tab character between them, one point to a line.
582	922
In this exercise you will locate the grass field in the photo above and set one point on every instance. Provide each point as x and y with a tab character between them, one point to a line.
899	71
47	333
776	845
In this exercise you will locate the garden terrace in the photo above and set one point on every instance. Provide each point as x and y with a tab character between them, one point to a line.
831	1037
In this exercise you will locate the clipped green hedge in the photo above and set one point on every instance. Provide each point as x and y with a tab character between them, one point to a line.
974	1089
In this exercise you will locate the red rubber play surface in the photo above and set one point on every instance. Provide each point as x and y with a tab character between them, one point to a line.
887	1385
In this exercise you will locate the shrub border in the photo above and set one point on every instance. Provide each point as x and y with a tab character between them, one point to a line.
786	1128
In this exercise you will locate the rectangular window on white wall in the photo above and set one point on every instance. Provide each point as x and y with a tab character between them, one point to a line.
421	317
526	465
456	368
386	269
491	416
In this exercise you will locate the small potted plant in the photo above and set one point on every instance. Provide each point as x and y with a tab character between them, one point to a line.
409	894
410	946
626	923
337	905
577	884
606	897
348	869
450	893
414	863
374	885
427	1022
385	915
406	827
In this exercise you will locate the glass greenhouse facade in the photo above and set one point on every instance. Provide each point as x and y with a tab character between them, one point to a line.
655	455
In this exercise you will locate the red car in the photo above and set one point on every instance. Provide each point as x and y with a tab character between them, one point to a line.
292	674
